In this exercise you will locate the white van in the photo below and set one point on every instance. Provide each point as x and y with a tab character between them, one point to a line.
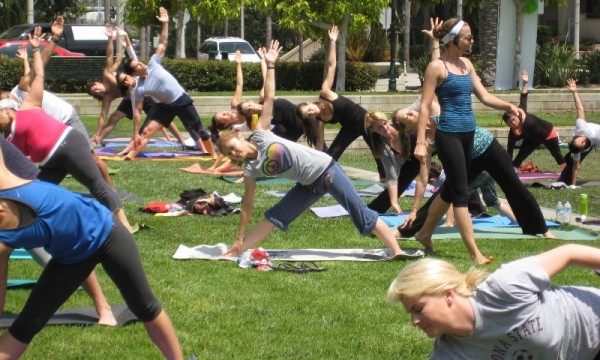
216	48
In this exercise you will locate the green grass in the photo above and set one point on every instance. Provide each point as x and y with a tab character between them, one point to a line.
223	312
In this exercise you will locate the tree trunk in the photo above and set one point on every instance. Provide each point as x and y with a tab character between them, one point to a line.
459	9
143	43
107	18
269	34
179	37
242	25
488	45
226	27
340	84
518	43
198	36
300	47
406	37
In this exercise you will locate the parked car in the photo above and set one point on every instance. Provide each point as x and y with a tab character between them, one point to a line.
10	48
219	47
86	39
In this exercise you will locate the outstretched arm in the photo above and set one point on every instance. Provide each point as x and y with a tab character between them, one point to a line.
239	80
326	91
110	48
22	54
557	259
434	43
572	86
163	17
263	71
245	216
36	92
57	30
264	121
524	86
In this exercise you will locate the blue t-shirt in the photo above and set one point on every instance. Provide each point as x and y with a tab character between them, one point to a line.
68	226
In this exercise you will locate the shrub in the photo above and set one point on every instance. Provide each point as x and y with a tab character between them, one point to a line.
10	72
360	76
545	33
591	63
554	65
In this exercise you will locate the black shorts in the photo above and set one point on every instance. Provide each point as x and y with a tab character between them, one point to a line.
126	108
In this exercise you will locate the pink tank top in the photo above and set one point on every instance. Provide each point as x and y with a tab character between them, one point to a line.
37	134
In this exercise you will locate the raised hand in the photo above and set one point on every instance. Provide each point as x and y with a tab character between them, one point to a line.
108	30
22	54
163	15
58	26
34	40
238	57
333	33
434	22
524	76
572	85
273	52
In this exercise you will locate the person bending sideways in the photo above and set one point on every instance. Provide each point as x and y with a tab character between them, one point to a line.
514	313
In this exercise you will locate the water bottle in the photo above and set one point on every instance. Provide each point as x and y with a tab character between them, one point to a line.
583	206
567	213
559	212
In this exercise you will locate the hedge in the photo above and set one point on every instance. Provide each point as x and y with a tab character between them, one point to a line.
64	75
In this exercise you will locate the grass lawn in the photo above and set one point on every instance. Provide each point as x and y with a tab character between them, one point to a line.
223	312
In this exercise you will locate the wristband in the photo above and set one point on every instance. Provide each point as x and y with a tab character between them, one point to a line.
37	49
270	67
54	40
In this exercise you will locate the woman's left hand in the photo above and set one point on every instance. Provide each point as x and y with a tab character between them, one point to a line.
397	209
421	152
34	40
410	219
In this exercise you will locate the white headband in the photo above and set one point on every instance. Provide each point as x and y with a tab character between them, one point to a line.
8	103
452	34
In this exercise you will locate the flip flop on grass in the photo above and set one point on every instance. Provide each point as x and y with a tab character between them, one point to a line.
410	254
300	268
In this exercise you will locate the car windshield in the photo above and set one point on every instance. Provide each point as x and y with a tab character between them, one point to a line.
10	50
14	32
231	47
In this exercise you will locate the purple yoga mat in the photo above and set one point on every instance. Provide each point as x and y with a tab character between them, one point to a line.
534	176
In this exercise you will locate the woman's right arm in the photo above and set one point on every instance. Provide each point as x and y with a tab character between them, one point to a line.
245	216
432	74
331	60
572	85
557	259
239	80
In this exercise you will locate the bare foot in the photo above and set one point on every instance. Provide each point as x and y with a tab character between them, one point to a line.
128	158
424	240
482	260
447	225
107	318
548	234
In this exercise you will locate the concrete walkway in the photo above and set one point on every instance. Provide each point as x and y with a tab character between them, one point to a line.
549	214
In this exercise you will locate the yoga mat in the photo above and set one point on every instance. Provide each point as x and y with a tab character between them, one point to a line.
278	180
20	284
20	254
122	194
544	175
513	233
151	143
111	155
372	190
198	169
79	316
561	185
496	221
215	252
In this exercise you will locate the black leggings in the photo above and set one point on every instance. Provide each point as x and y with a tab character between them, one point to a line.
345	137
120	259
408	172
73	157
496	161
455	151
567	173
528	147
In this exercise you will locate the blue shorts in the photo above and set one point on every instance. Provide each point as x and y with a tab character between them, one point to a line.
333	181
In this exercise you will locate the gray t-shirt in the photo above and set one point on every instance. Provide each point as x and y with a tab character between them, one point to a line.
159	83
283	158
519	313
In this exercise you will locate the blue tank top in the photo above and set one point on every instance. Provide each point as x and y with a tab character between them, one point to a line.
454	96
481	141
68	226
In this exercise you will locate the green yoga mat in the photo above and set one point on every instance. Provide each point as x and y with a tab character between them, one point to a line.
278	180
514	233
20	254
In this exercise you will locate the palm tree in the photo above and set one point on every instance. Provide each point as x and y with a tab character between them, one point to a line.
488	43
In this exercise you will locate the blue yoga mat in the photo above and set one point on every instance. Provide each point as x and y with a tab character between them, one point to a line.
20	254
20	284
496	221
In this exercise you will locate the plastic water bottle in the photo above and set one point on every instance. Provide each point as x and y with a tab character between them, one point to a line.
567	213
559	212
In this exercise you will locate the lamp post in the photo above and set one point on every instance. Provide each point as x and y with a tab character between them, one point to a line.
393	26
